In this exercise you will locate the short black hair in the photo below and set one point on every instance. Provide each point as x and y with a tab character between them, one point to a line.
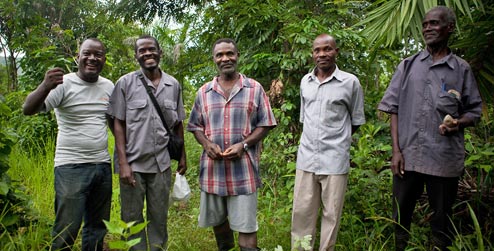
224	40
146	36
97	41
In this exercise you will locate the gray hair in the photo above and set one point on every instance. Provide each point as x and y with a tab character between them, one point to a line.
449	14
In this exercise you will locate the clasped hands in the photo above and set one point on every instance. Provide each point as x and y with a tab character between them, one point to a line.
214	151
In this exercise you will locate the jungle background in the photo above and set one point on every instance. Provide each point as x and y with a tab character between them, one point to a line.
274	38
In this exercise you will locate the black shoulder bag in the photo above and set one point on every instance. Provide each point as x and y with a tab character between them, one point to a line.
175	143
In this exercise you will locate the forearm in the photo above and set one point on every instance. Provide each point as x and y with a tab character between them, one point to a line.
394	132
465	121
179	131
257	135
201	138
120	141
35	100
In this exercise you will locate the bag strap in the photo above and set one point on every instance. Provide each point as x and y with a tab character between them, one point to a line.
153	99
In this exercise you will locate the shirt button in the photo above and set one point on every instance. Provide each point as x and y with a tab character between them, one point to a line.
421	129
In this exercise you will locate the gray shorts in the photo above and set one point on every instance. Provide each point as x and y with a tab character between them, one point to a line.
239	210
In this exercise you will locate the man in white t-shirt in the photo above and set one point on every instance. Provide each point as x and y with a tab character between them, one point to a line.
83	183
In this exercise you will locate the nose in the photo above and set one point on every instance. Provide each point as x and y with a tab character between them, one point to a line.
225	58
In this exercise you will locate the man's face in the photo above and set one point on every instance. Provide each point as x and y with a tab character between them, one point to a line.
90	60
324	52
435	28
225	56
147	54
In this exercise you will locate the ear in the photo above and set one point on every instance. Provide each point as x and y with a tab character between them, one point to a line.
451	28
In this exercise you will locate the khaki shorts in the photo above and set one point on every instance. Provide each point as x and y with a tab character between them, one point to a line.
239	210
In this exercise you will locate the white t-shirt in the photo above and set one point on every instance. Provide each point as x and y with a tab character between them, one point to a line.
80	108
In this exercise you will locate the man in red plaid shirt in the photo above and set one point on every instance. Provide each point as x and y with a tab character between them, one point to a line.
230	117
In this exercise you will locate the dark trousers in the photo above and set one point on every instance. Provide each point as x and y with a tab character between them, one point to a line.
441	192
154	188
83	191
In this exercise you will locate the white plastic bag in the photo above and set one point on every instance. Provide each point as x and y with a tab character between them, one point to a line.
181	189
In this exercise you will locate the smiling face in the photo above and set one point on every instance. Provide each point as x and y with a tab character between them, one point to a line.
324	52
147	53
225	56
436	29
90	60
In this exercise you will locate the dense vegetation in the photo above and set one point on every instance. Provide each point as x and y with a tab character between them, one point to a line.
275	38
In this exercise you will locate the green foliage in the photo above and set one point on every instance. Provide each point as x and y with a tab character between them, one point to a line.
372	149
303	242
35	236
32	130
15	206
470	242
123	231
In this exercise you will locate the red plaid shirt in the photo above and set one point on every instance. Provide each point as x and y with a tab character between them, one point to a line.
227	121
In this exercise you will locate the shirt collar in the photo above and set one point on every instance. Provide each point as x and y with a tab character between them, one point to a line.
336	75
243	80
448	59
162	80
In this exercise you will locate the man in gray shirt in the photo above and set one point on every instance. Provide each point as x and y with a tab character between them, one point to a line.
427	149
331	109
141	142
83	183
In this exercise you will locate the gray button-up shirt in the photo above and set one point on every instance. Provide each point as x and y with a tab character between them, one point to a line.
328	110
419	94
146	137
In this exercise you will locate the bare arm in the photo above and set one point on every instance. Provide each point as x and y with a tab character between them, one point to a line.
182	164
462	122
126	175
397	161
236	150
213	150
35	100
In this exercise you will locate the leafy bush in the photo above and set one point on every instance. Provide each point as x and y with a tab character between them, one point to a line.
15	205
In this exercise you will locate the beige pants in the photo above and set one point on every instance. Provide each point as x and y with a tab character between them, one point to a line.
310	191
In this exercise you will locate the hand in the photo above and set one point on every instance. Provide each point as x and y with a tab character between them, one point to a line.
233	152
182	166
126	175
53	78
449	128
398	164
213	150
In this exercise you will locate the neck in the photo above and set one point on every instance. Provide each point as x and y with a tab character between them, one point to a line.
153	74
322	74
438	51
228	79
89	79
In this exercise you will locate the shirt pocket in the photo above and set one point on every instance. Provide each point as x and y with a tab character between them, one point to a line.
335	114
135	110
169	108
447	104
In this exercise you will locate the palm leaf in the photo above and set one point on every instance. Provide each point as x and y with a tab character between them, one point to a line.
389	22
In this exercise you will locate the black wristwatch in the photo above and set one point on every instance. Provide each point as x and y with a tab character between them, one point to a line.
246	147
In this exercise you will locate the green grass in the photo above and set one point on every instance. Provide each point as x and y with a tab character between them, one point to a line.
365	224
